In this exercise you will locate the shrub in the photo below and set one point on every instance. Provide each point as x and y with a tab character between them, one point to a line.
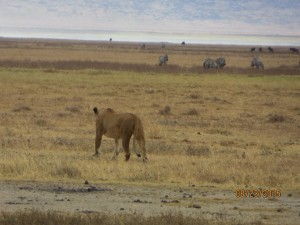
191	112
165	111
23	108
275	118
200	151
73	109
66	171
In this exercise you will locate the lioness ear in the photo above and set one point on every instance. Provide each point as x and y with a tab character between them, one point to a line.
96	110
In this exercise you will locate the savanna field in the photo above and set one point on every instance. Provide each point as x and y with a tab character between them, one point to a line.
232	128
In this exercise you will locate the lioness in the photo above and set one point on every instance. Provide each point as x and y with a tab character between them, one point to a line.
119	126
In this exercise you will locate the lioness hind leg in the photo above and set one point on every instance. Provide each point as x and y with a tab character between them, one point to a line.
134	148
125	143
141	143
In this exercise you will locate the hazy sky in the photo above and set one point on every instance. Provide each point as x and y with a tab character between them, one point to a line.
276	17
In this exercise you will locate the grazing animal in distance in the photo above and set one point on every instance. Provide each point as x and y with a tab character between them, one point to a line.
163	59
271	50
210	63
183	43
252	49
294	50
119	126
260	50
143	46
221	62
257	63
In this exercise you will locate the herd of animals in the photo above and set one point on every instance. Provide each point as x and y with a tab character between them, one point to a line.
220	62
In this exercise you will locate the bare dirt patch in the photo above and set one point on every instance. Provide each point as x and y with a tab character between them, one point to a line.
199	202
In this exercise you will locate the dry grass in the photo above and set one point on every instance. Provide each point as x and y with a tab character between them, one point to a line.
52	66
37	218
52	55
49	218
222	130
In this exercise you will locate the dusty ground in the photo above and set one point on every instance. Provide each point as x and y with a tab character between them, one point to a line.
204	202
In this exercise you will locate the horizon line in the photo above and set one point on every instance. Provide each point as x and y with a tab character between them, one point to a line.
141	42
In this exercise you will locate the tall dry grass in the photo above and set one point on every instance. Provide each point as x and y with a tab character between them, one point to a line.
47	127
48	218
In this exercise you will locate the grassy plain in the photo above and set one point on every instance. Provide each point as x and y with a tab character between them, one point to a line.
216	128
37	218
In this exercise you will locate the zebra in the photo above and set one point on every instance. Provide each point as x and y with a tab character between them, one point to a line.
221	62
163	59
210	63
271	50
294	50
257	63
252	49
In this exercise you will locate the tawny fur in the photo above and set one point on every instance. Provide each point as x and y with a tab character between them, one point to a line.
119	126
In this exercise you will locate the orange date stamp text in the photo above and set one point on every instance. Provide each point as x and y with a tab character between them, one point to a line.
258	193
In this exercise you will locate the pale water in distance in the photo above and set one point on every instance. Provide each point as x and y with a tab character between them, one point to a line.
145	37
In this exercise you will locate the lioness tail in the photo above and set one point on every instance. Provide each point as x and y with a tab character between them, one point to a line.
138	130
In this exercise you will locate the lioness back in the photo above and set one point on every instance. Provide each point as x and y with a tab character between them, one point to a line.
114	124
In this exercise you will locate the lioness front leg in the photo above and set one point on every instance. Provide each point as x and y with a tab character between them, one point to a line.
116	153
125	143
98	140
